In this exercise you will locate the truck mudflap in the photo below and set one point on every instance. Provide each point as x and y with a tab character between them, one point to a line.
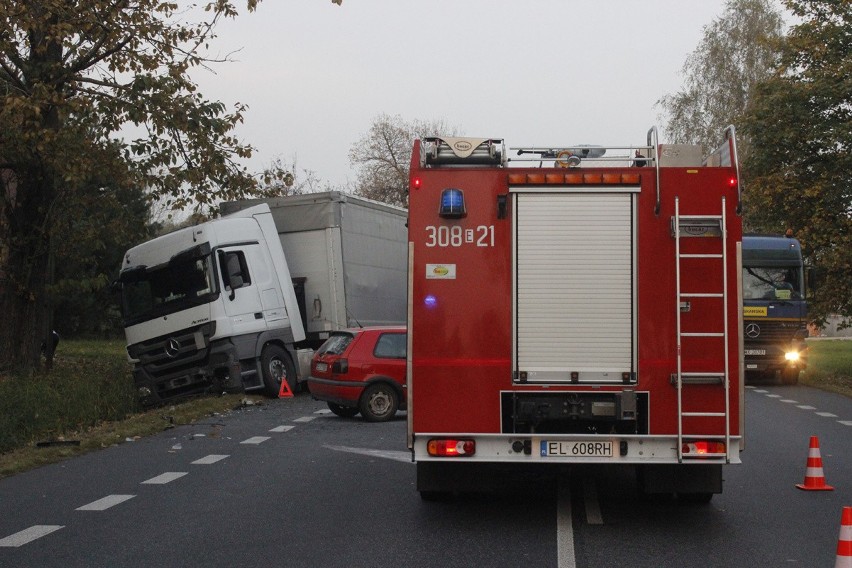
573	448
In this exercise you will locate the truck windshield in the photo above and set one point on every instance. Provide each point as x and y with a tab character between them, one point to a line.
167	289
772	283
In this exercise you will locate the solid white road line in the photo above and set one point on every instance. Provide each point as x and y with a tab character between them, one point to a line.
164	478
207	460
565	557
255	440
105	503
28	535
282	428
400	456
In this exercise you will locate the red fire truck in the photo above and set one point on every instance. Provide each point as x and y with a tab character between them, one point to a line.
574	305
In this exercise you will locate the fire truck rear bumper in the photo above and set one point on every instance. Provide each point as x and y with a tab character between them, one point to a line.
572	448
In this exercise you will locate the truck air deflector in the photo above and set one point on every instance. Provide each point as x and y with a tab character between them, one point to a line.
574	286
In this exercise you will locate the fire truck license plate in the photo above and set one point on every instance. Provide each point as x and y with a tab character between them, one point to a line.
573	449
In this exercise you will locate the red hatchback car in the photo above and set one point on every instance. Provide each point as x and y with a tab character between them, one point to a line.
361	370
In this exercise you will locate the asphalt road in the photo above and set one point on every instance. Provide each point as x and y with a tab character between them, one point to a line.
289	484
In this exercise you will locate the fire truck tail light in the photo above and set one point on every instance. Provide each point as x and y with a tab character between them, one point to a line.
732	182
452	204
415	183
451	447
701	448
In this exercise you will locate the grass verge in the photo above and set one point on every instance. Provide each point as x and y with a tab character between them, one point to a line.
87	402
829	365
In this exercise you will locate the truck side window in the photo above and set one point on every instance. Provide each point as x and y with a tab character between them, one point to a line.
391	346
235	270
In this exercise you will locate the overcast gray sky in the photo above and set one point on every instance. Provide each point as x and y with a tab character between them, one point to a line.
533	72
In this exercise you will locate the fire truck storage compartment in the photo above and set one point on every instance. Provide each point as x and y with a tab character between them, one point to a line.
575	286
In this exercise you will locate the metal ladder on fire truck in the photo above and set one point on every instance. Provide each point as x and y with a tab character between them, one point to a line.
708	225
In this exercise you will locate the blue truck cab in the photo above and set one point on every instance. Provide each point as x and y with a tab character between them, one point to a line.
774	308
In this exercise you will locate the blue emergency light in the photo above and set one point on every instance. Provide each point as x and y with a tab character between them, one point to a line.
452	204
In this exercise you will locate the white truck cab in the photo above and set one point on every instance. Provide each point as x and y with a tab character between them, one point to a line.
211	307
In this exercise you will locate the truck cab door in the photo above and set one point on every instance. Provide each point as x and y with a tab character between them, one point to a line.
238	271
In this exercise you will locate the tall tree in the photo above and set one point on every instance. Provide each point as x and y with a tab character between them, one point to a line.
737	51
383	156
800	124
74	74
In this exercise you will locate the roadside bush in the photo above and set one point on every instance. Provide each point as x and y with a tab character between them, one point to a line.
90	383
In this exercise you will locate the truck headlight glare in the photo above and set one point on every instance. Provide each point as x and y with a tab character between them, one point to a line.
791	356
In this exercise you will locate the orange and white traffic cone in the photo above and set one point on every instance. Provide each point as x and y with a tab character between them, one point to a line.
844	541
814	477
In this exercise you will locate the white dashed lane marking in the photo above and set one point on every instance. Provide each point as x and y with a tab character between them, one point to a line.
105	503
164	478
802	406
28	535
207	460
37	531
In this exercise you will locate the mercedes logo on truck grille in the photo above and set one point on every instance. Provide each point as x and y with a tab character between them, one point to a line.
172	347
752	330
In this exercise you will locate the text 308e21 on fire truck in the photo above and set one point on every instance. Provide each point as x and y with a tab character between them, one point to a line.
574	305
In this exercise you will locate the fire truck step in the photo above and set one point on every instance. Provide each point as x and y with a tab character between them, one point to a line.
699	334
690	255
704	414
701	295
699	378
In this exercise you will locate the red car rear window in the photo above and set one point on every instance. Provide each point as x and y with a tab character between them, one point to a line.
336	344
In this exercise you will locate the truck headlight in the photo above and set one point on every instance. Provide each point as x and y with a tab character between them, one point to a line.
791	356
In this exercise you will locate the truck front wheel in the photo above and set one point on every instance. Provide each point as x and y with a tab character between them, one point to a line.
276	366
